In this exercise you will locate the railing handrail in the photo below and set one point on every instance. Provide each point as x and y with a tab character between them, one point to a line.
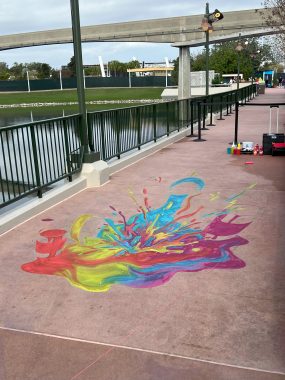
34	123
167	101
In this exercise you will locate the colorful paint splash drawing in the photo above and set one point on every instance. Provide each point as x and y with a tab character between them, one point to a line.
147	249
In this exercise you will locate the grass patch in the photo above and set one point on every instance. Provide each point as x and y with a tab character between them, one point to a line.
90	94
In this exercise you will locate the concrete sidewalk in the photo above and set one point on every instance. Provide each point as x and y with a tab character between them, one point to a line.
218	315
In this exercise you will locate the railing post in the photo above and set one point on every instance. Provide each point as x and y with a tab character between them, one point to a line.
187	113
117	127
199	123
231	104
178	114
204	114
90	134
154	122
243	96
139	126
191	118
211	113
36	162
102	136
167	119
221	107
67	151
227	100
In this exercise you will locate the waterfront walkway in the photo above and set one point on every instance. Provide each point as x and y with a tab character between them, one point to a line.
219	315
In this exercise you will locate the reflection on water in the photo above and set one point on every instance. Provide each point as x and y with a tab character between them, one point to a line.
16	116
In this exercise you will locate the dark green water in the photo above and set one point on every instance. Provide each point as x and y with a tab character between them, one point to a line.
15	116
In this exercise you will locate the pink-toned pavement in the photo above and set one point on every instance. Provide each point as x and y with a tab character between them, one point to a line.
211	324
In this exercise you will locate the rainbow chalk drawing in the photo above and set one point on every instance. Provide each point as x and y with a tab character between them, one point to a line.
147	249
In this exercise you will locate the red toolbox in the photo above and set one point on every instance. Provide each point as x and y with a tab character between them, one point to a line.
278	148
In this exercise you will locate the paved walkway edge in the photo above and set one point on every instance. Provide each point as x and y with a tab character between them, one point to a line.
27	211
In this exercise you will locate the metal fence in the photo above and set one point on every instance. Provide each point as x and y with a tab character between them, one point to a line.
90	82
118	131
115	132
35	155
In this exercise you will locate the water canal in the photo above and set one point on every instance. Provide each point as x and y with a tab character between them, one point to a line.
23	115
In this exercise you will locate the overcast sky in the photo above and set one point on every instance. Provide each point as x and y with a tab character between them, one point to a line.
18	16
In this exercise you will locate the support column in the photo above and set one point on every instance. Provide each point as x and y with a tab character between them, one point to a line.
184	90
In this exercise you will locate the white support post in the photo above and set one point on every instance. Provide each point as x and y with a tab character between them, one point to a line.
28	79
103	74
60	79
184	91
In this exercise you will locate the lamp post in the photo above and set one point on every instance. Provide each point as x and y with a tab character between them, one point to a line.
253	56
207	27
239	48
79	71
207	49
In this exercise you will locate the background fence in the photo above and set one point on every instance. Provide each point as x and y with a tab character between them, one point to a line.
90	82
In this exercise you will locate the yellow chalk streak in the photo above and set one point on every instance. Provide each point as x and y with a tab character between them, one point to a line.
214	196
77	226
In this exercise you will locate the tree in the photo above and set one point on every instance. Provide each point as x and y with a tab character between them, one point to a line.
198	62
18	70
45	71
117	68
94	71
175	70
134	64
4	71
276	20
224	58
72	66
42	70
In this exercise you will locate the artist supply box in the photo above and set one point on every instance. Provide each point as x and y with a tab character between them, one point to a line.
272	138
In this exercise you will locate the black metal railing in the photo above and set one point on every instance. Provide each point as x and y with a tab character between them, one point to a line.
36	155
118	131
